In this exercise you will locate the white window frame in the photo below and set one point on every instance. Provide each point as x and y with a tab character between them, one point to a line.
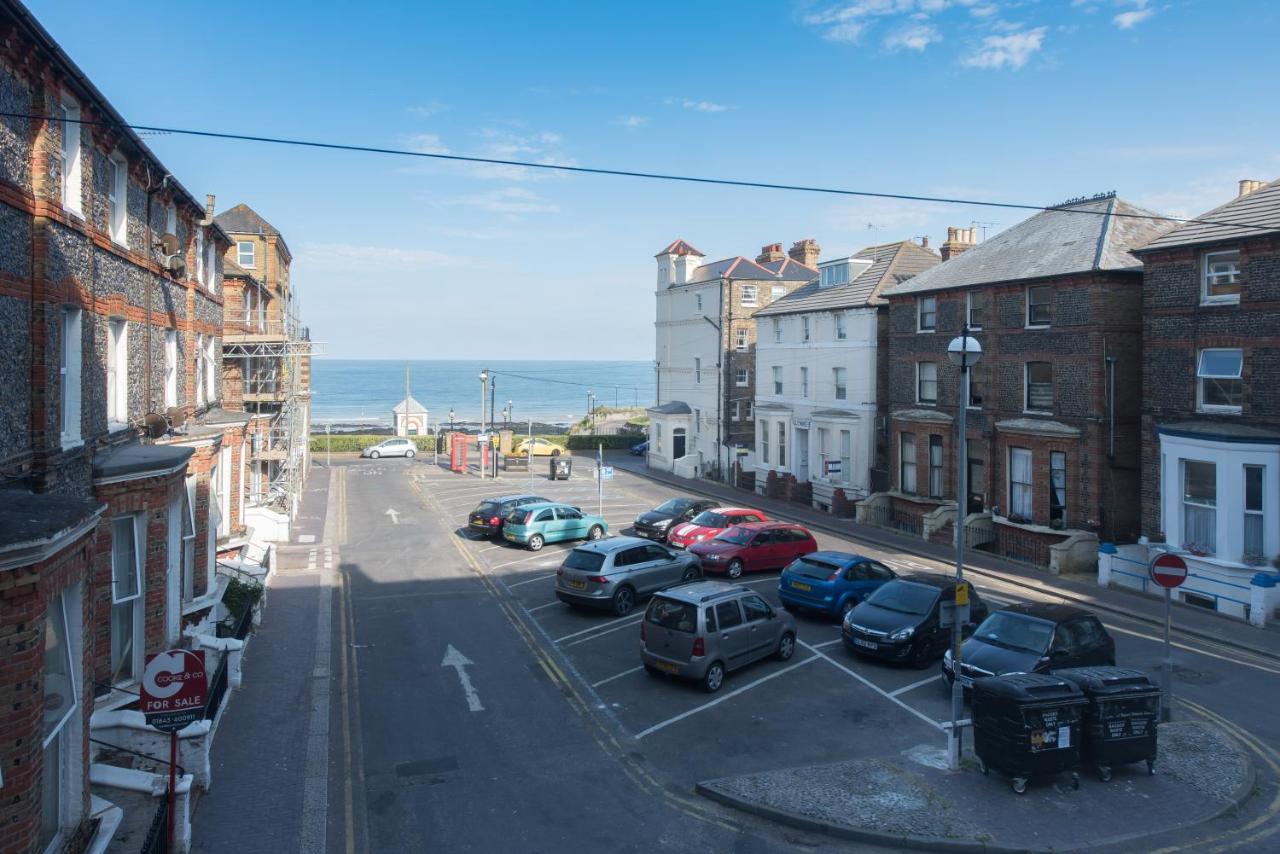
189	541
210	370
1206	261
697	421
62	736
117	372
968	311
1201	376
840	383
842	326
742	377
70	152
764	441
1254	513
920	380
907	463
1056	457
1030	324
118	199
749	296
935	466
253	260
822	453
777	292
748	408
782	444
199	369
170	367
171	219
921	303
804	328
1026	389
777	330
697	298
136	522
1024	489
777	380
697	369
211	282
804	381
199	255
846	456
1213	527
72	370
740	339
737	410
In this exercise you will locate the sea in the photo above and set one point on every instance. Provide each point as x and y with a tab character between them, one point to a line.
363	391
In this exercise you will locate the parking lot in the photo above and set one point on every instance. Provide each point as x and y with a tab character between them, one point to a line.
810	707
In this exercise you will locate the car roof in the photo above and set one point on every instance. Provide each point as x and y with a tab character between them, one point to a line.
727	510
613	544
499	499
930	579
844	558
542	504
702	591
767	526
1052	611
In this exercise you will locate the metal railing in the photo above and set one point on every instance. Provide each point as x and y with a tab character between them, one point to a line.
893	518
1007	543
217	689
157	838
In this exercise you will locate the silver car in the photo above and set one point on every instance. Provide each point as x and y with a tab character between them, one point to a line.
704	629
391	448
614	573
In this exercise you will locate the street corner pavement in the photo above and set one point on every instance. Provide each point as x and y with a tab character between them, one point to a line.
911	799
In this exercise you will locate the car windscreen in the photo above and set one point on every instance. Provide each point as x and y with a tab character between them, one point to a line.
584	560
811	568
904	597
737	536
1016	631
675	505
670	614
708	519
488	508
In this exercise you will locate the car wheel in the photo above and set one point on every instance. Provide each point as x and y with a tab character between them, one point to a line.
691	573
714	678
373	455
624	599
556	452
920	657
848	606
595	533
409	454
536	542
786	646
734	568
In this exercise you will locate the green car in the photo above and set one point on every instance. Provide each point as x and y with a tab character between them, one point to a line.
535	525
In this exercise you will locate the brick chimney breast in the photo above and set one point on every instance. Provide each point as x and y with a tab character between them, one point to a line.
805	252
959	241
1249	185
772	252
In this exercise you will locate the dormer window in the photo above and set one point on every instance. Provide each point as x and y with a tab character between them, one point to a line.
836	274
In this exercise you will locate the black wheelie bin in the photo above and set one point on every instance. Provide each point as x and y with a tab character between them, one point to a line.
1027	725
1121	718
561	468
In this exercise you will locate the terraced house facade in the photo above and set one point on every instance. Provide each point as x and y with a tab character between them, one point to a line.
113	450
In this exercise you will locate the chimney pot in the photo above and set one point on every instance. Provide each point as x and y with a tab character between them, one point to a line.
959	240
1249	185
924	242
805	252
210	201
770	252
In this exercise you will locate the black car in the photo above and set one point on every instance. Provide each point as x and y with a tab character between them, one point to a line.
1032	638
654	524
900	621
487	518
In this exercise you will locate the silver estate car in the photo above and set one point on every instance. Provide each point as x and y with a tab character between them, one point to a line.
704	629
614	573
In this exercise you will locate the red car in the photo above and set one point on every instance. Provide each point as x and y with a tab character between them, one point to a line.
753	547
708	523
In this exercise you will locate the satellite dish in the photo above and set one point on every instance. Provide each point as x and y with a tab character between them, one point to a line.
176	415
157	425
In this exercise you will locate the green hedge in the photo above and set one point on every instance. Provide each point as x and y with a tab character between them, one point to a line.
347	444
611	443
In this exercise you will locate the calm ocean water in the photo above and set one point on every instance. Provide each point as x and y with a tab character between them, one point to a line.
365	389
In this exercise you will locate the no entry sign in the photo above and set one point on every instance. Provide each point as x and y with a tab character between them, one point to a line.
1168	570
174	688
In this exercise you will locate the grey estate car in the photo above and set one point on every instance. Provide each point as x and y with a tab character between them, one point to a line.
704	629
614	573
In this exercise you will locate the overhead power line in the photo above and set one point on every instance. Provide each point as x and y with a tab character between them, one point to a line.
600	385
624	173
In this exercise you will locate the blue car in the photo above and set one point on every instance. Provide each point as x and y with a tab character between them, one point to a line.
830	582
640	449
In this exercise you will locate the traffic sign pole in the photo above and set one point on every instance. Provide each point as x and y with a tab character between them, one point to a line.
173	784
1169	571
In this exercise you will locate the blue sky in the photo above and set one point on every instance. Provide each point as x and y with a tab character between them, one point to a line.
1168	103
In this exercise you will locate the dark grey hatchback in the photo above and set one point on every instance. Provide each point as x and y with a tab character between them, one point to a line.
487	518
1032	638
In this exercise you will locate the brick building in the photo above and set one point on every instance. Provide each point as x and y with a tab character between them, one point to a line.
1053	444
705	350
111	312
1210	394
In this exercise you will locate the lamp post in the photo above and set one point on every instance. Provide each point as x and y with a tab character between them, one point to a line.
964	352
509	414
484	391
450	420
591	409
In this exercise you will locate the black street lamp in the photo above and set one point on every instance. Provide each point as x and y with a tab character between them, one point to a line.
450	420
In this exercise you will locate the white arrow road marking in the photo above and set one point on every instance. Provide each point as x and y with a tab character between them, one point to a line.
460	663
395	516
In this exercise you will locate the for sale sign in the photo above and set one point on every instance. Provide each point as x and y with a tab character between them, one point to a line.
174	689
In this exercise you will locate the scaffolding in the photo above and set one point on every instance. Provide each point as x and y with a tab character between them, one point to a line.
275	373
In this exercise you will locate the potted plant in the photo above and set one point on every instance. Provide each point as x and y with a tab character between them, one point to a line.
1253	559
1197	549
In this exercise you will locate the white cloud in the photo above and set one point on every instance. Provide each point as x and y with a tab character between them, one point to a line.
1010	51
699	106
543	147
632	121
1131	19
984	11
430	108
426	143
508	200
916	37
350	257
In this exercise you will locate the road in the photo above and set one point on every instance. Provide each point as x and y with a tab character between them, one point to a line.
479	714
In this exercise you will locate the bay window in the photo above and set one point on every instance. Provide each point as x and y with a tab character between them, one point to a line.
907	463
1057	489
1020	505
935	466
126	598
1199	506
1253	514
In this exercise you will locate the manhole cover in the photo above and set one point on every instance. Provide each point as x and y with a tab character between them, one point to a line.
1192	676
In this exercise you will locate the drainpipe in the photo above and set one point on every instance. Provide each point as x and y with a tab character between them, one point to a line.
1111	407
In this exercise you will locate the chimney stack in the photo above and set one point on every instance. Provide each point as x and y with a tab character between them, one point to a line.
924	241
772	252
1249	185
805	252
959	241
209	204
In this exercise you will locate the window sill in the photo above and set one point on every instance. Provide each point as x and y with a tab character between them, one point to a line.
69	444
1031	326
1211	301
926	403
1220	410
1037	412
926	331
73	213
116	426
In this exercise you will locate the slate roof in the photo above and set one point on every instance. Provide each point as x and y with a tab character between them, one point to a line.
243	219
29	519
414	407
892	263
1076	238
680	247
1261	207
135	458
674	407
739	267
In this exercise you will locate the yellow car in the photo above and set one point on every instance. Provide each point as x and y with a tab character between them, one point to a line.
540	448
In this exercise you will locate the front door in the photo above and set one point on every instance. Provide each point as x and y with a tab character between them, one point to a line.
677	443
802	454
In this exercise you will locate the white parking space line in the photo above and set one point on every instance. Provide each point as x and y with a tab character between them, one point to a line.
865	681
599	635
824	644
915	685
538	555
531	580
617	676
540	607
598	627
760	580
718	700
495	546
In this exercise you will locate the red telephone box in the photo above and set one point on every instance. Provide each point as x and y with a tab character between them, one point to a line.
458	452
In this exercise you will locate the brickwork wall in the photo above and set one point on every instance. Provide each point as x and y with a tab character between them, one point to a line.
1176	326
1094	316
